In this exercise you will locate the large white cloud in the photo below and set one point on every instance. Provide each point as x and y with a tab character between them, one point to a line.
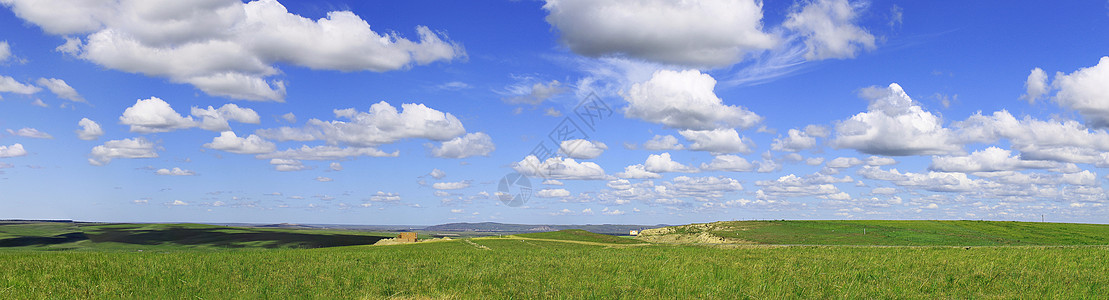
252	144
829	30
559	168
226	47
12	151
154	115
582	149
471	144
382	124
663	142
895	125
125	148
90	130
684	100
723	140
694	33
1087	91
1063	141
216	119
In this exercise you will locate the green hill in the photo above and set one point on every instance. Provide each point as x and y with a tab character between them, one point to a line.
580	236
894	233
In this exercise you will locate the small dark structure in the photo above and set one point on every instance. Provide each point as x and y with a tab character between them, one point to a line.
406	237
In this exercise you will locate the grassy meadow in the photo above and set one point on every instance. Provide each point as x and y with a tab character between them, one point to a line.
565	264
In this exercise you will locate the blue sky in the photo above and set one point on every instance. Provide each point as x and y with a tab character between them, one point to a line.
411	112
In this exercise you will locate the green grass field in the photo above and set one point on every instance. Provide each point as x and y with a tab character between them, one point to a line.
581	236
580	266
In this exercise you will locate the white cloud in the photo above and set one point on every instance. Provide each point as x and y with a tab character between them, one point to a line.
90	130
884	191
154	115
216	119
991	159
880	161
324	179
552	182
10	85
534	94
1086	91
61	89
382	124
30	133
661	163
174	172
698	33
227	48
287	165
559	168
1062	141
289	117
663	142
178	203
637	172
722	140
125	148
335	166
794	141
894	125
39	103
550	111
684	100
828	28
729	163
472	144
437	174
252	144
451	185
385	197
582	149
814	161
843	162
1036	85
553	193
12	151
792	186
326	153
5	51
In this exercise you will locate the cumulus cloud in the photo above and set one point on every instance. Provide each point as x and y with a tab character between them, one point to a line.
154	115
385	197
30	133
287	165
663	142
895	125
723	140
789	186
471	144
10	85
1086	91
1036	85
382	124
230	142
90	130
795	140
12	151
225	47
698	33
661	163
553	193
684	100
582	149
125	148
335	166
437	174
991	159
324	179
174	172
637	172
729	163
828	28
843	162
559	168
289	117
451	185
216	119
1062	141
5	51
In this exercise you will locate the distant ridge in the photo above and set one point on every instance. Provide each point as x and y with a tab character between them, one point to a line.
617	229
